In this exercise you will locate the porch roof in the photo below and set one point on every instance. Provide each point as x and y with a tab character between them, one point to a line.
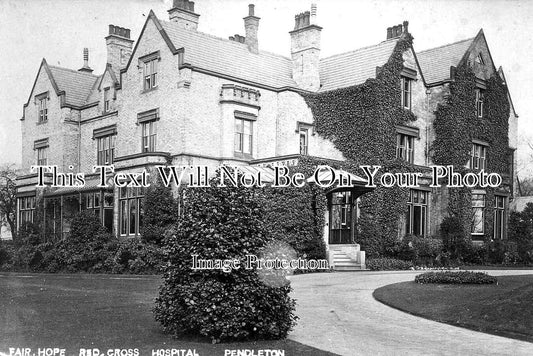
91	184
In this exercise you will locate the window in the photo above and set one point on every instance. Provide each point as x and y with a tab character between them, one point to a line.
405	147
478	157
106	100
42	156
479	59
130	215
480	96
499	217
416	218
243	136
103	209
150	73
406	93
478	214
106	150
43	110
149	136
304	143
26	209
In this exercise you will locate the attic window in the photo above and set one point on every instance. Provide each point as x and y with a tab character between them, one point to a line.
479	59
41	101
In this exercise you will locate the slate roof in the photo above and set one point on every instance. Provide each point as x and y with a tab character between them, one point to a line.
435	63
230	58
77	85
355	67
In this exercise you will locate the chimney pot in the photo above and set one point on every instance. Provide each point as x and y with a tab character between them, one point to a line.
406	26
85	67
389	33
313	14
251	9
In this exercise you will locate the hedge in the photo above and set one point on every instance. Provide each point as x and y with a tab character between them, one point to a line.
463	277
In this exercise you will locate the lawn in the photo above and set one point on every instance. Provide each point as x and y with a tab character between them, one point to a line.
98	311
504	309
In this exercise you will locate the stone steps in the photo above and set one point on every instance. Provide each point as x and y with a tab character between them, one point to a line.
343	262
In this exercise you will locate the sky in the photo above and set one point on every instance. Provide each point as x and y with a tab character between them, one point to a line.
58	30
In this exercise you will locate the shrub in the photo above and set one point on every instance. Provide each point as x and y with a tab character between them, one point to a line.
137	257
453	238
463	277
221	223
476	254
420	250
388	264
521	232
160	211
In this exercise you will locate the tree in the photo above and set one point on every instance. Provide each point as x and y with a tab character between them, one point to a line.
8	198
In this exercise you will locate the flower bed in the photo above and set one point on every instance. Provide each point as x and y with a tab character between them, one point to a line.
463	277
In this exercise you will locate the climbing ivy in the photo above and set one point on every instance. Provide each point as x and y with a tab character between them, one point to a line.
361	122
457	124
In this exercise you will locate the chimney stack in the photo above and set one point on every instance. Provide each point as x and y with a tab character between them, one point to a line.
119	47
182	12
85	67
251	26
305	50
398	30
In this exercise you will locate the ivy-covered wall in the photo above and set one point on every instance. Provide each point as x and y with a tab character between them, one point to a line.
361	122
457	124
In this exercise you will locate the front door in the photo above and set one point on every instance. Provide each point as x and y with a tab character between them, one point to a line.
341	218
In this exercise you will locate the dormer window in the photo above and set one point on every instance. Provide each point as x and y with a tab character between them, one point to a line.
107	101
480	97
406	93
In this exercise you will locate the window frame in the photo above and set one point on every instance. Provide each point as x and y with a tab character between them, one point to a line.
148	136
480	99
417	199
239	139
478	157
26	210
130	197
500	208
105	155
42	156
406	94
303	132
107	100
479	203
405	152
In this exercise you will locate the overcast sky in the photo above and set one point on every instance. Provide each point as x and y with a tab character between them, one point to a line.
58	30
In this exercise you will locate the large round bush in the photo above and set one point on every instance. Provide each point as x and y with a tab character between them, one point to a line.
221	223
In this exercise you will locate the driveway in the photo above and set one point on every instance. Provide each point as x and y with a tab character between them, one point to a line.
338	314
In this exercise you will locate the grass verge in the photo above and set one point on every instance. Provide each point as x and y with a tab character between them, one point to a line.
98	311
504	309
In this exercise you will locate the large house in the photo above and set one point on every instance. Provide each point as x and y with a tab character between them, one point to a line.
182	97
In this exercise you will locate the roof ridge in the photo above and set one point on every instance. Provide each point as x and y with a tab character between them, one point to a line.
205	34
358	49
73	70
446	45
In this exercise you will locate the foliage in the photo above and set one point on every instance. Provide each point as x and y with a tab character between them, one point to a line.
420	250
88	248
388	264
463	277
8	199
221	223
361	122
521	232
456	124
159	212
454	240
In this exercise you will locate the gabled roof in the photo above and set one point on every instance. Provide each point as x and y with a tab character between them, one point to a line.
436	62
229	58
355	67
502	75
76	85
